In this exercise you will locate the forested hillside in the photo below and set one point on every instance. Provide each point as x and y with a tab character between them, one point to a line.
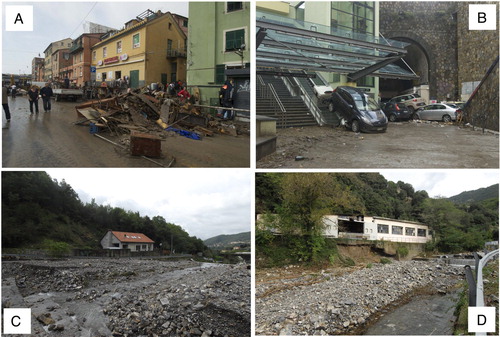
229	240
36	208
303	198
477	195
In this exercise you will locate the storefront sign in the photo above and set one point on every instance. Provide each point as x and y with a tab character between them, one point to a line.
111	60
99	63
124	57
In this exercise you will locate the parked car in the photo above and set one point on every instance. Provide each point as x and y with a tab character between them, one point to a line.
359	111
396	111
437	112
412	101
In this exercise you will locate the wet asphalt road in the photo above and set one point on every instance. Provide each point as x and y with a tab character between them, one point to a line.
52	140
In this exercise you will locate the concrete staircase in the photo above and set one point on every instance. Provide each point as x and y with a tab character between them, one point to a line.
297	114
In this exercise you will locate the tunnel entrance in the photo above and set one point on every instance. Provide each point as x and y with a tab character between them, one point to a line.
418	60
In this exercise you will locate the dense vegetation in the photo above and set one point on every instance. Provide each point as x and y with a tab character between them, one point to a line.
476	195
37	208
294	203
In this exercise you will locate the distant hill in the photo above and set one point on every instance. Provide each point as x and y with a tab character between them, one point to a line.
228	240
476	195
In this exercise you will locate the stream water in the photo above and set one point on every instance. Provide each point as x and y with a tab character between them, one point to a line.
424	315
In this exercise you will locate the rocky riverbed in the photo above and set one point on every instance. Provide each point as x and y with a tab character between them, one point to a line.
331	304
130	297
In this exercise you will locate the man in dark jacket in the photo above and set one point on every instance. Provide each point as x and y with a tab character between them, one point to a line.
227	99
46	93
33	94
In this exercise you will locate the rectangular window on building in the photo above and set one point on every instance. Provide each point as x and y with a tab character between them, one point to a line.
397	230
234	6
136	42
421	232
94	55
367	81
383	229
219	73
118	47
104	51
185	23
81	57
409	231
235	39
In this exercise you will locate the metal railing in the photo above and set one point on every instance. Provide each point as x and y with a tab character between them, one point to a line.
268	92
310	102
476	286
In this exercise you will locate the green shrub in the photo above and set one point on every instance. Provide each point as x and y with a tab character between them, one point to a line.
369	265
56	248
402	252
385	260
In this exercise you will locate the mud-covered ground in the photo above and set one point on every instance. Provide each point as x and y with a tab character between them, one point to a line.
130	297
412	144
52	140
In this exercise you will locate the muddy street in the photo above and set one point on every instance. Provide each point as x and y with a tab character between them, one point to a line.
52	140
404	145
130	297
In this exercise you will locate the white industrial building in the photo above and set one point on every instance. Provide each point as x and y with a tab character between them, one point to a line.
375	228
372	228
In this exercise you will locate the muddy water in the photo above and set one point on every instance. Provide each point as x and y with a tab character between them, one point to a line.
52	140
424	315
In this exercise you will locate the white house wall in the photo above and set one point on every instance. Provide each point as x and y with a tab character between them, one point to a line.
331	223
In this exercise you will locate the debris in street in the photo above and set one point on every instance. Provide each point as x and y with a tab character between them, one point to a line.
142	156
140	111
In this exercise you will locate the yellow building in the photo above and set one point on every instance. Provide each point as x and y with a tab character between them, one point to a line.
150	49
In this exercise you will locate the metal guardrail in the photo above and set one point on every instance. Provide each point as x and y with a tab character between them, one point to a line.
476	286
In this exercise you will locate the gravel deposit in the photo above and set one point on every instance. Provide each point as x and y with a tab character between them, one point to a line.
130	297
341	304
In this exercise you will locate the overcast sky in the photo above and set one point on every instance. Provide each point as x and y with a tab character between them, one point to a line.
444	183
55	21
204	202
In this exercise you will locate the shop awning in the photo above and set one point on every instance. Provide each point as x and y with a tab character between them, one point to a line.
298	45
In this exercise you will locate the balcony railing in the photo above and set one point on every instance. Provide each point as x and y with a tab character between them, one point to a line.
176	53
75	47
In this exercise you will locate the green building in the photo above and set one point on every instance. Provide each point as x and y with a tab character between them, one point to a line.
219	50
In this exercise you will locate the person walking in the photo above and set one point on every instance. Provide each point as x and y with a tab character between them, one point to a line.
13	91
227	100
46	93
33	96
5	103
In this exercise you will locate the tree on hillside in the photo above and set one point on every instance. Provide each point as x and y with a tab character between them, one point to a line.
306	199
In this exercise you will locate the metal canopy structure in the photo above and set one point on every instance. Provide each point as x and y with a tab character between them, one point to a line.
299	45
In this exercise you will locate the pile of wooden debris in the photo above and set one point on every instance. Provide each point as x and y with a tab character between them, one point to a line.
142	112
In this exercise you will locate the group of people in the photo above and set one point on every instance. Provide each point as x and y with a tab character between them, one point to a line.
34	94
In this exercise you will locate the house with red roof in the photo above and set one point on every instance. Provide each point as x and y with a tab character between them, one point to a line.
136	242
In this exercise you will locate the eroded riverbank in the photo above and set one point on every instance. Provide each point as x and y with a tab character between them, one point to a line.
342	304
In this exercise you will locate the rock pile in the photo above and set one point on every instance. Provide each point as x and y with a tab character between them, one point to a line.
340	304
130	297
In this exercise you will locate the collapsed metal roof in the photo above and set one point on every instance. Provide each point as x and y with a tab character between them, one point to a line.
299	45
